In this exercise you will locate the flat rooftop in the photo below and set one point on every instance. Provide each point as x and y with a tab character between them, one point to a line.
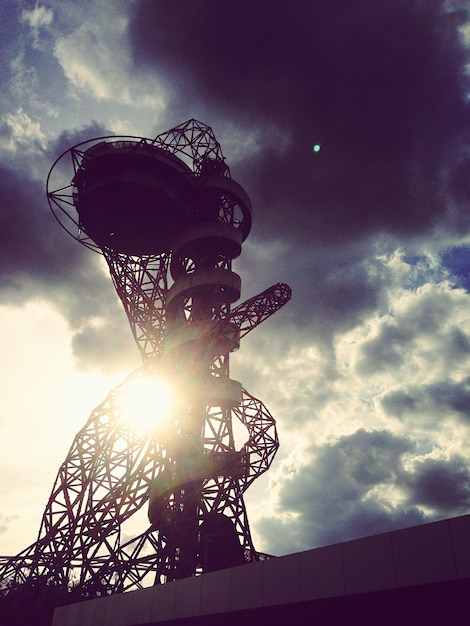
412	576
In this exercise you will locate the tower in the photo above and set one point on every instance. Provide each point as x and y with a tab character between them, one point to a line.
169	220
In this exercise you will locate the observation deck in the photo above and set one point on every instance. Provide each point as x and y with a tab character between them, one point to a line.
132	198
136	198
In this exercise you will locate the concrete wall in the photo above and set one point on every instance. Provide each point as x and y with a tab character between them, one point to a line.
430	553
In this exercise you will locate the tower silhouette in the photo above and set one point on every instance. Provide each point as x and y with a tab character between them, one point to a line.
169	220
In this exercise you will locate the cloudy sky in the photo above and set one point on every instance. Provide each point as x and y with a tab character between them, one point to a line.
367	369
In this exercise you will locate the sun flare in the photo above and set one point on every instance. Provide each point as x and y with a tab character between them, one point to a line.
146	403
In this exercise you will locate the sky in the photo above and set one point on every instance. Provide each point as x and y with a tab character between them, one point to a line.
367	369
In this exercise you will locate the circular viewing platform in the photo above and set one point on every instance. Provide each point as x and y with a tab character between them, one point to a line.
135	196
132	198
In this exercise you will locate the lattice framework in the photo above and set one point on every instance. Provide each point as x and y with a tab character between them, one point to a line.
110	469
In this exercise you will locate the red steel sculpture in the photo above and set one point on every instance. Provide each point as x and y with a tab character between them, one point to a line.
169	220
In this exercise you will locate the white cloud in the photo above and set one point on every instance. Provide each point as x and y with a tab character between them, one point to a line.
45	401
407	369
416	340
26	88
20	132
37	18
402	370
240	142
96	61
24	81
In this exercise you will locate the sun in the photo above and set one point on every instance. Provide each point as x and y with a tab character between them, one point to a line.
145	403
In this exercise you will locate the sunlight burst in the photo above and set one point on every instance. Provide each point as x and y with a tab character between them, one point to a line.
146	403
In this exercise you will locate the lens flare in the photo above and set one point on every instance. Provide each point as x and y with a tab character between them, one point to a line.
146	403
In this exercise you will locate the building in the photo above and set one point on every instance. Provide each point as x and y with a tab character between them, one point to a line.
418	575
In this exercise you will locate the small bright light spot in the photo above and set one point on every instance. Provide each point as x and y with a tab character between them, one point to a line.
146	403
317	147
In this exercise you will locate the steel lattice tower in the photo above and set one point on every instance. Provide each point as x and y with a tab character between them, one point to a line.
169	220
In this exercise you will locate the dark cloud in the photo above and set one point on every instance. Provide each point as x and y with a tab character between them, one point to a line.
334	289
429	401
388	350
69	138
381	86
39	260
422	319
343	492
442	485
31	245
337	495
